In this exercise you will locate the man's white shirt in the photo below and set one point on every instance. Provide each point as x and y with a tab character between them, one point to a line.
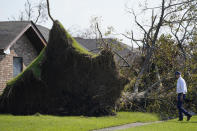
181	86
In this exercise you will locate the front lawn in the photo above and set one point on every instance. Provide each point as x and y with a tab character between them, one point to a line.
70	123
171	125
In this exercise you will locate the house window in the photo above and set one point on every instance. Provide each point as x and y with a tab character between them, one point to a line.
17	65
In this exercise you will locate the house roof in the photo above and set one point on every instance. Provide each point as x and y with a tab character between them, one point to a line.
122	50
44	31
11	31
89	44
93	44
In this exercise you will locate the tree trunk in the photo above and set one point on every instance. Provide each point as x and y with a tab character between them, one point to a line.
143	69
150	49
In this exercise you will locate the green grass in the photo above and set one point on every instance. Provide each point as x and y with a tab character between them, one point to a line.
72	123
171	125
34	66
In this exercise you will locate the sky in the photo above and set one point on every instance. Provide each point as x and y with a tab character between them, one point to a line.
77	13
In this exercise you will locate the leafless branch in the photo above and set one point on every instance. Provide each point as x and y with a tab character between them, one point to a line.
132	39
48	8
106	46
39	13
28	10
171	5
128	65
145	32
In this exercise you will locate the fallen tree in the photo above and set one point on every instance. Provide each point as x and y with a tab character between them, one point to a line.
65	79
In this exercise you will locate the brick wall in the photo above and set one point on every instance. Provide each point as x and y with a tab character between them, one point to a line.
22	48
5	70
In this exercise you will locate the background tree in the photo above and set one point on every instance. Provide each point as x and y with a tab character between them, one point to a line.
36	12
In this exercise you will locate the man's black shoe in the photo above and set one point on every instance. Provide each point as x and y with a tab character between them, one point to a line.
180	120
189	117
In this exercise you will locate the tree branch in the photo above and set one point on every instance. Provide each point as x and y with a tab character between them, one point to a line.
48	8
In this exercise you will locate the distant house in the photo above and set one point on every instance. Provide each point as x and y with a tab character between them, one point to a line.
20	43
92	45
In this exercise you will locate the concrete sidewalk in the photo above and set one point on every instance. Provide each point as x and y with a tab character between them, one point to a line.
127	126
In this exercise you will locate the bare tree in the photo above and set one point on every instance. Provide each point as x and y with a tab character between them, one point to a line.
36	12
148	41
41	9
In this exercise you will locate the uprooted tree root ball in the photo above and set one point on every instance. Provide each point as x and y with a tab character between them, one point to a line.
65	79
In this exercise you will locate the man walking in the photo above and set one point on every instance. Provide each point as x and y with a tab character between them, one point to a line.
181	91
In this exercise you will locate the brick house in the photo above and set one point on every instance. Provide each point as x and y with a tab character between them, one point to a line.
20	43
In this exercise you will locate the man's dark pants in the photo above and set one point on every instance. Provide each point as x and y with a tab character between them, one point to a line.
180	106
